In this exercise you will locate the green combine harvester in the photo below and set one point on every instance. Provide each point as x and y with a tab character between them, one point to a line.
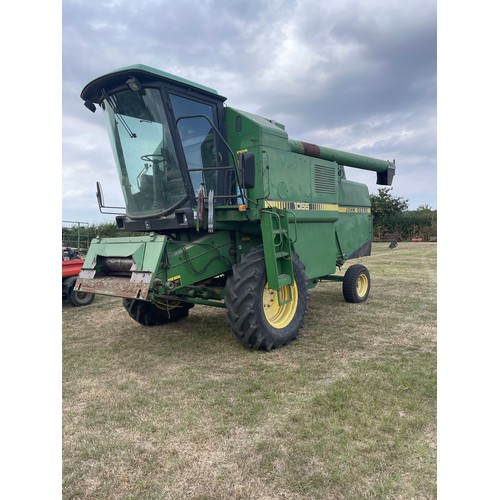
230	212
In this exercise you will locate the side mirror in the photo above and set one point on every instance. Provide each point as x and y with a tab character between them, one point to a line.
246	170
99	196
100	201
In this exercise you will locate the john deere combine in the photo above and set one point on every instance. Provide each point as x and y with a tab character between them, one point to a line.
230	212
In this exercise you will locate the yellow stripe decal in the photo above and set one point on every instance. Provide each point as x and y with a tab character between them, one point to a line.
300	205
355	210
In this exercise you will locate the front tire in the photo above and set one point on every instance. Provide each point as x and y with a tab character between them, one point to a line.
356	284
149	314
253	311
79	299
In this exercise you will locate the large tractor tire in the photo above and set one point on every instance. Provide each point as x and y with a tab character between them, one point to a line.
149	314
253	311
356	284
79	299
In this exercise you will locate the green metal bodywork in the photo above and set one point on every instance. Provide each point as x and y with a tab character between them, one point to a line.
157	257
300	202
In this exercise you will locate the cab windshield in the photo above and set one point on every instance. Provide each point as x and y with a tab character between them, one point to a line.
144	152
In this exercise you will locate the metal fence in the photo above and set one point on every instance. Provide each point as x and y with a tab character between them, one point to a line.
76	234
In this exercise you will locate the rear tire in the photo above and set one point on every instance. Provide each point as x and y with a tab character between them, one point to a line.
79	299
253	312
149	314
356	284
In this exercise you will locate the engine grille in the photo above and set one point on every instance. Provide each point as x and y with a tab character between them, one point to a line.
324	179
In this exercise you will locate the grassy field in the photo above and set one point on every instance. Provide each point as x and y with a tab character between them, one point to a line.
347	411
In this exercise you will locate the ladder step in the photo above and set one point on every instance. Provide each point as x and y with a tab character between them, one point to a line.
284	279
280	255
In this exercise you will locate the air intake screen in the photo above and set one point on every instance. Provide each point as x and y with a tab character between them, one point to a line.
324	179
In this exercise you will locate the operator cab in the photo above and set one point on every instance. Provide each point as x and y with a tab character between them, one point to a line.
168	143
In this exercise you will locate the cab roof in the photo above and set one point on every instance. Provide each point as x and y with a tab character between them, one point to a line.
145	74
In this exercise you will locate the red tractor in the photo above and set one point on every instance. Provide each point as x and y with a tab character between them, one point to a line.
71	265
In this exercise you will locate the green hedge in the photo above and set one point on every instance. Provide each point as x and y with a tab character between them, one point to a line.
80	237
410	224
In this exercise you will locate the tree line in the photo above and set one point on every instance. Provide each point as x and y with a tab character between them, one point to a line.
391	216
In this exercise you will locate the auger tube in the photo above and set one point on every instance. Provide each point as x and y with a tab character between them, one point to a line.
385	168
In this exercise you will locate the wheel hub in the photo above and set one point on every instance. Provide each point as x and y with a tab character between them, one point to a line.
362	285
276	315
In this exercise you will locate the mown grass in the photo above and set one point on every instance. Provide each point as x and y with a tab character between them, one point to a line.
346	411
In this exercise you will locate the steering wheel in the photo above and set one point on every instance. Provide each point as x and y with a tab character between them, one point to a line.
153	158
169	167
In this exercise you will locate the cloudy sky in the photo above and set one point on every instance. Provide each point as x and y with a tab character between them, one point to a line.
359	76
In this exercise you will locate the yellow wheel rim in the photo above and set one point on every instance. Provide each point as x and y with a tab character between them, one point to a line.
362	285
280	316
